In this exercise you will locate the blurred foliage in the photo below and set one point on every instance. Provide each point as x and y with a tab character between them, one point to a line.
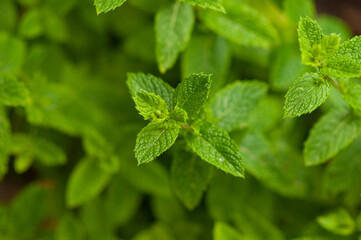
68	125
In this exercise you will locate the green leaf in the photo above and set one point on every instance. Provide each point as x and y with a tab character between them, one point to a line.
192	93
309	34
299	8
216	147
12	54
150	106
179	116
211	4
69	227
223	231
210	54
173	28
332	133
13	92
86	181
242	25
32	24
154	139
346	62
306	94
337	221
352	94
149	83
157	231
8	16
232	105
104	6
329	45
190	177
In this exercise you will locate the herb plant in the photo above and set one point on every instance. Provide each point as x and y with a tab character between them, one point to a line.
249	126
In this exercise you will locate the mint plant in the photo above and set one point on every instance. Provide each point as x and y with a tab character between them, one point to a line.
178	119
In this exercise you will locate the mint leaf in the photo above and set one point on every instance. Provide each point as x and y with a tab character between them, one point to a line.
329	44
309	34
150	106
154	139
216	147
173	27
242	25
13	92
86	181
179	116
338	221
69	227
104	6
211	4
299	8
12	54
232	105
352	94
149	83
209	54
223	231
346	62
32	23
190	177
306	94
332	133
192	93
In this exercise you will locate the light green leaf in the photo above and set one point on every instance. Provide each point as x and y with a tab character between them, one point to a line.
173	27
299	8
69	227
216	147
332	133
192	93
86	181
337	221
329	45
149	83
12	53
179	116
346	62
32	24
309	34
104	6
150	106
223	231
13	92
306	94
232	105
190	177
154	139
352	94
242	25
286	67
209	54
211	4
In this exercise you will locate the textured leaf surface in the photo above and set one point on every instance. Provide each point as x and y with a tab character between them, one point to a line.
107	5
299	8
309	33
173	27
352	94
223	231
332	133
149	83
242	25
192	93
346	62
208	54
154	139
338	221
150	105
13	92
306	94
12	53
211	4
190	177
232	105
86	181
216	147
